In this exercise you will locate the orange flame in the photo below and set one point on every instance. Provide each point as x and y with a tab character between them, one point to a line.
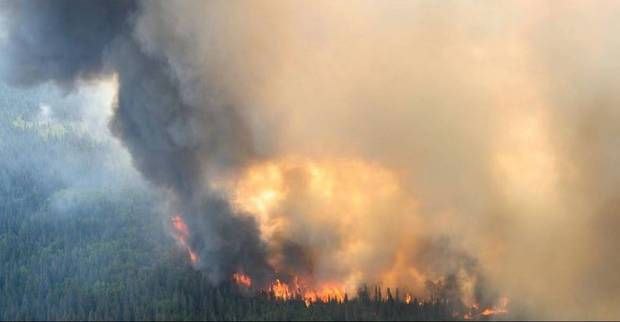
281	290
242	279
500	308
276	192
324	294
408	298
298	290
181	234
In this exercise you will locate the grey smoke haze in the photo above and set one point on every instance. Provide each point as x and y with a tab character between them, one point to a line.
500	117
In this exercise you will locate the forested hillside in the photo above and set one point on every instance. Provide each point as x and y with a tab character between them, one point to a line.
81	236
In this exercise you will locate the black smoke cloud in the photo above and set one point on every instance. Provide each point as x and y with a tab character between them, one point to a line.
193	78
181	135
500	118
61	41
67	42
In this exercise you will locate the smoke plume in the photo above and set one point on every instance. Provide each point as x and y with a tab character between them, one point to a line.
413	144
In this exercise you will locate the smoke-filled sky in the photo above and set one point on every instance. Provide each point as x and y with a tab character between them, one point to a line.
393	142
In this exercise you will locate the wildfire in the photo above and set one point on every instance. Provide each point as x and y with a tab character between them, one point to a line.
181	234
281	290
325	294
242	279
294	199
500	308
408	298
333	212
296	290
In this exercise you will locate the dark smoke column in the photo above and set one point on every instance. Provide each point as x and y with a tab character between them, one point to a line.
172	142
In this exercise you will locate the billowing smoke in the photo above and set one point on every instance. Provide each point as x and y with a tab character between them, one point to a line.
461	144
174	140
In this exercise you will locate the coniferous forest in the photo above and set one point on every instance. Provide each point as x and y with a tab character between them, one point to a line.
238	160
81	237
